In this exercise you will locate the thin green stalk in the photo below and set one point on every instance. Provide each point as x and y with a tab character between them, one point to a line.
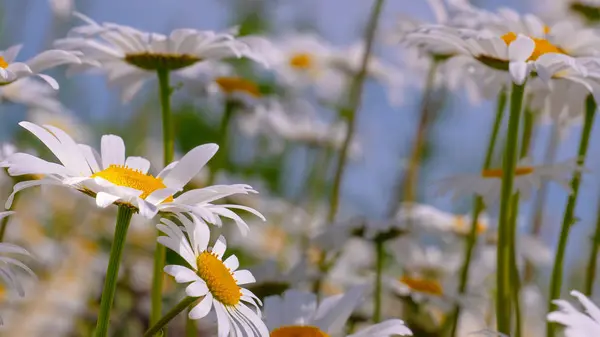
380	259
110	282
355	95
516	281
477	208
505	246
221	158
6	219
168	151
590	275
540	201
186	302
350	112
568	219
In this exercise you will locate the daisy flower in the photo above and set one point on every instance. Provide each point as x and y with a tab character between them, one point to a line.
517	45
217	281
577	323
10	70
112	178
431	218
219	81
8	276
32	94
528	177
130	56
298	313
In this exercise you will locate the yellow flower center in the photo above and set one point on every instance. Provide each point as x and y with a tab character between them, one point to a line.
422	285
497	173
274	240
298	331
3	63
542	46
128	177
219	279
152	62
462	226
237	84
302	61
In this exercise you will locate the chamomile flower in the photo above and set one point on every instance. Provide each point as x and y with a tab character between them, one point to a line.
577	323
219	81
111	178
431	218
515	45
32	94
528	177
298	313
10	70
130	56
218	281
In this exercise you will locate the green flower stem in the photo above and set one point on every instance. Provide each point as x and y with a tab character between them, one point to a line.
407	188
6	219
516	280
590	275
380	256
110	283
349	112
505	246
568	219
355	95
221	158
540	201
181	306
477	208
168	151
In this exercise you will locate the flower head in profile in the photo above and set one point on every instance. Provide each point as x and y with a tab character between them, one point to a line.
130	56
430	218
11	70
298	313
515	45
528	177
217	281
577	323
112	178
32	94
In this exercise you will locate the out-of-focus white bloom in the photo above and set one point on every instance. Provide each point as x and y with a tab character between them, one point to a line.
586	12
111	178
64	120
528	177
296	121
299	313
577	323
130	56
62	8
307	61
219	81
10	70
428	217
217	281
31	94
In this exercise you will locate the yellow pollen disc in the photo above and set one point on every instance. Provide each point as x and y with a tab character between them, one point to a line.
462	226
128	177
3	63
219	279
274	240
302	61
237	84
542	46
422	285
546	29
298	331
497	173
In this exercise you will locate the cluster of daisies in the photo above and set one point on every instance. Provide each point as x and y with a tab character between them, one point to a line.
556	64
